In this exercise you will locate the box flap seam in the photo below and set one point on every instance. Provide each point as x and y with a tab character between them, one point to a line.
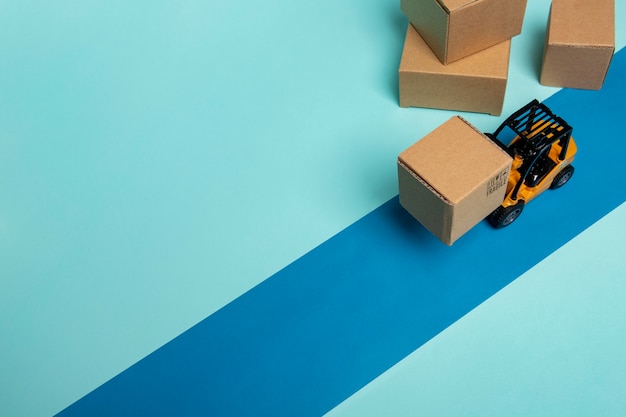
424	182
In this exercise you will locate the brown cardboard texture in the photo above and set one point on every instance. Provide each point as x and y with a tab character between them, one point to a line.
452	178
580	43
455	29
476	83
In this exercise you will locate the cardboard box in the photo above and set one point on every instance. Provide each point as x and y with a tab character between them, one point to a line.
476	83
452	178
455	29
580	44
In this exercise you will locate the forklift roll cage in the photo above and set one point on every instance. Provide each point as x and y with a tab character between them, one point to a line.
537	129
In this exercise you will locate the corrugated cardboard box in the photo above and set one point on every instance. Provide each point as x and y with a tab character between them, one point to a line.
476	83
455	29
580	43
452	178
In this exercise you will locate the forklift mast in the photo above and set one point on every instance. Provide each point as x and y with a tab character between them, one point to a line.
538	128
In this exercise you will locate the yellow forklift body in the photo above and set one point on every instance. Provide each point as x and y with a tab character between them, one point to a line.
527	193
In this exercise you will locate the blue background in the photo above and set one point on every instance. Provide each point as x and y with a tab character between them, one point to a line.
159	159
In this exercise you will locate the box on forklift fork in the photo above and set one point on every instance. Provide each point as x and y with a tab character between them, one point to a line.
452	178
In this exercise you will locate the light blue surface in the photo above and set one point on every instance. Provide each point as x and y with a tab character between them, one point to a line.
157	159
549	344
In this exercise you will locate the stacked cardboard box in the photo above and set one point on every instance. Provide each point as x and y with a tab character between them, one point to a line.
456	53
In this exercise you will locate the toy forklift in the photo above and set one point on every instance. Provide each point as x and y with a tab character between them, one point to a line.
542	149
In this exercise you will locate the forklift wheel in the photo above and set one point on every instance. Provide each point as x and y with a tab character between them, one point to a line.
562	177
504	216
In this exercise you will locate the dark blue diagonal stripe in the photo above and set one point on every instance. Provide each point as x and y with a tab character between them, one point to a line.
320	329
